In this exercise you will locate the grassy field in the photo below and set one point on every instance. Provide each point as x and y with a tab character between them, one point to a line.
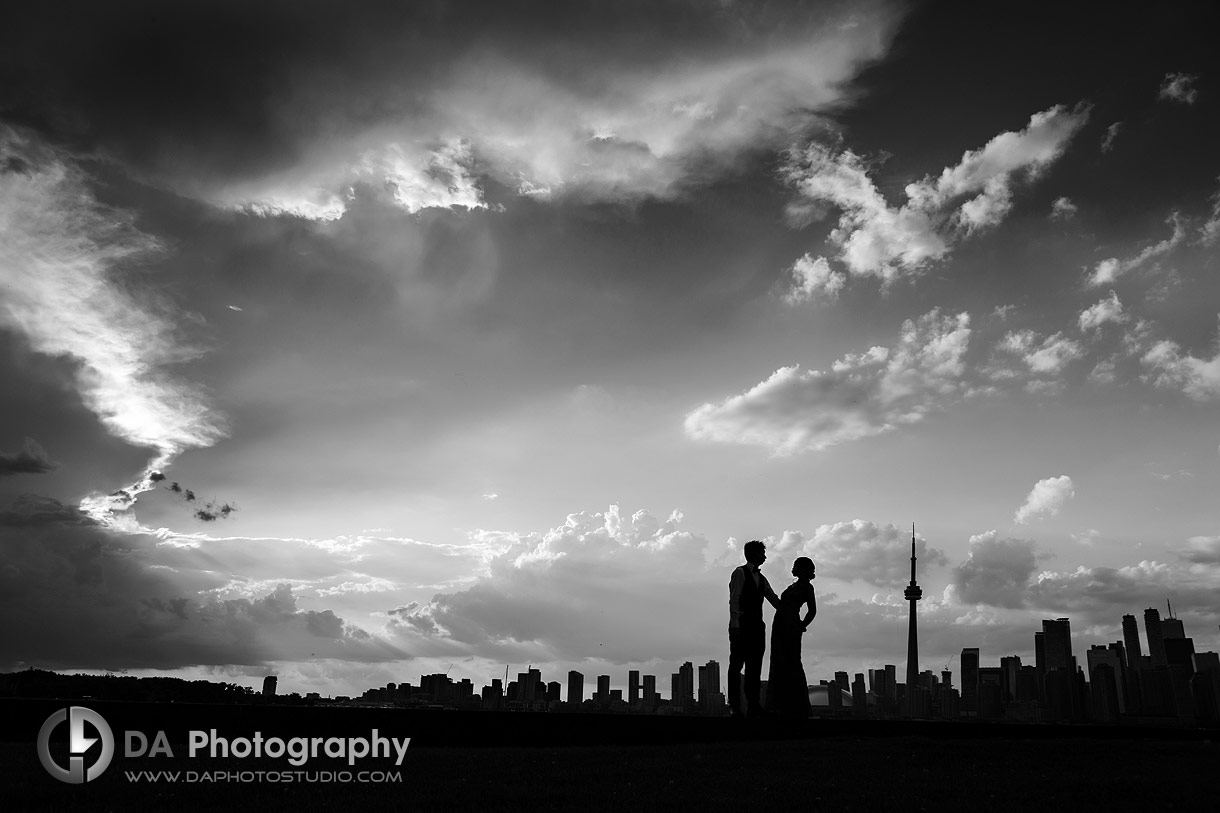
833	773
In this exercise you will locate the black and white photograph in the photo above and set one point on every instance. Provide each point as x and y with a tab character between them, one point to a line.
609	404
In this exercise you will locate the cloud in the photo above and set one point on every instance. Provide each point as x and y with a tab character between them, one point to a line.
601	585
311	109
31	458
813	280
1063	209
862	395
60	251
1106	310
1198	378
1107	142
1046	498
1047	356
860	550
876	239
1100	595
996	572
1202	550
1209	232
104	599
1109	270
1179	87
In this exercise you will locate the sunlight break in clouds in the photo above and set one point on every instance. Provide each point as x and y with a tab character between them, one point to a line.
58	250
863	394
876	239
1046	498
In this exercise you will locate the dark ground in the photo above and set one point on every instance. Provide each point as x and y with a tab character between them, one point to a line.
468	761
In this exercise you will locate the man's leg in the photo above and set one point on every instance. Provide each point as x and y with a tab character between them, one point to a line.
736	661
756	647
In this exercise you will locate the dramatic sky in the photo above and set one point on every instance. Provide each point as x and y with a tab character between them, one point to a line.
352	343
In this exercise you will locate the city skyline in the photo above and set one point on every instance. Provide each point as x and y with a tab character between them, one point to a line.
426	339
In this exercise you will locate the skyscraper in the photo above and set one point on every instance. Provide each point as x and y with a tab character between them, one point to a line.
633	686
912	594
576	688
970	681
686	684
603	689
1131	640
650	690
1057	643
1156	641
1171	627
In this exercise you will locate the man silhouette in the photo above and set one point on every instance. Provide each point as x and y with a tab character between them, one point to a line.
747	632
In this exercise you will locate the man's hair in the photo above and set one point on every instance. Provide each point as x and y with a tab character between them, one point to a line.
754	546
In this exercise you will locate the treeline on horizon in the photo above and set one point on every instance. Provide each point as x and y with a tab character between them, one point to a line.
40	683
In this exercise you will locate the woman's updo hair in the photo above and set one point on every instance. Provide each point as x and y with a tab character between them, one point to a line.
803	566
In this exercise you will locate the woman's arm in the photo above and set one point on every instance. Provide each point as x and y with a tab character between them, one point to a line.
813	609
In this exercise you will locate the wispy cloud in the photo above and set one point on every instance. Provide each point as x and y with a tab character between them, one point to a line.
60	250
877	239
863	394
1063	209
1173	368
1046	498
31	458
1044	356
1107	142
1179	87
1109	270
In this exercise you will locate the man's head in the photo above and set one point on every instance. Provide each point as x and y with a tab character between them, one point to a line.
756	552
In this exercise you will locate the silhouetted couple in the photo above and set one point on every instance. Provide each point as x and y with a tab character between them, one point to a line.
787	689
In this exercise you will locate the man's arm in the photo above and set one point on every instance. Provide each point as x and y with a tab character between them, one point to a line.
735	582
768	593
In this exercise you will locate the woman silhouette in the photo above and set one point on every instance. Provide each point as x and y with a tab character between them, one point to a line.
787	689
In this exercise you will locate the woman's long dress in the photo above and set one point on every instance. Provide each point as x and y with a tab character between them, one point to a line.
787	689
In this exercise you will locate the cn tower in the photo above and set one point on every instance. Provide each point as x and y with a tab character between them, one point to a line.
912	594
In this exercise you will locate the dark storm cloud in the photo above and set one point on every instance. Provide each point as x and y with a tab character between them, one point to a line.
31	458
74	593
206	98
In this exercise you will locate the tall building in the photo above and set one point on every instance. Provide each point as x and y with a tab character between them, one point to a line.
576	688
1057	643
1156	641
1171	627
633	686
1011	664
912	594
686	684
603	689
709	683
970	681
1098	656
269	685
1131	640
650	690
530	686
